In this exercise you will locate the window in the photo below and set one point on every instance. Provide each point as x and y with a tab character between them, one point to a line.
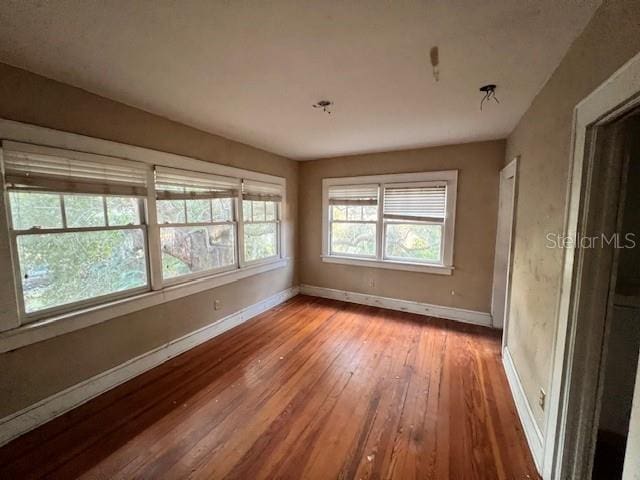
77	226
89	230
414	216
196	217
402	221
260	220
353	214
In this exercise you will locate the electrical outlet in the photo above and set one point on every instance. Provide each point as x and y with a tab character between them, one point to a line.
372	282
216	304
542	397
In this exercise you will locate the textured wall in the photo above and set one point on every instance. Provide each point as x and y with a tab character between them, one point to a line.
476	217
37	371
543	140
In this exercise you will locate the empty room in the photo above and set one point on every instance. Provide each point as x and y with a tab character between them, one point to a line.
304	239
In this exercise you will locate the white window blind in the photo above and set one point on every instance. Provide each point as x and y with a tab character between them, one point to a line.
353	195
35	168
415	203
254	190
175	184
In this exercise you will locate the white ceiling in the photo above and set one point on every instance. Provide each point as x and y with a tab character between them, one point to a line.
250	70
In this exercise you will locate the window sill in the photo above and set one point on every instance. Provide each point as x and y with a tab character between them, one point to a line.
389	264
41	330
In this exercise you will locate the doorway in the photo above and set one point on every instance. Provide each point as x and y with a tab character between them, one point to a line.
502	259
621	338
595	276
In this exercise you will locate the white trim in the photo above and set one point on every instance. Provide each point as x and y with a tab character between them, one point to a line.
448	177
510	171
389	264
79	146
10	301
54	326
427	309
437	175
45	410
529	425
619	91
23	132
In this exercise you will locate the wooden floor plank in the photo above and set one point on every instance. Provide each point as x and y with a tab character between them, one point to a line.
314	389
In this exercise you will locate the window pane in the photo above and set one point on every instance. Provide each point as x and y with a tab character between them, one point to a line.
30	210
171	211
198	211
258	211
354	212
339	212
196	249
370	213
246	210
270	211
84	211
61	268
421	243
123	211
222	209
353	239
260	241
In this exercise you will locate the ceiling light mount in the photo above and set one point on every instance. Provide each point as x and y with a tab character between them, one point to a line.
435	61
489	92
324	105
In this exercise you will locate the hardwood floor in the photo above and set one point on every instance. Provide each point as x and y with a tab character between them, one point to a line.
311	389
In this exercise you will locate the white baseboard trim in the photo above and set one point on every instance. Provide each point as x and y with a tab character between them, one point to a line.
523	407
451	313
49	408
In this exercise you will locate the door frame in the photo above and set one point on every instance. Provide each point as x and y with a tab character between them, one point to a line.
509	171
577	351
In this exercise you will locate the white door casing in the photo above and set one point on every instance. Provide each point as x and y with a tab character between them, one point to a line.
504	236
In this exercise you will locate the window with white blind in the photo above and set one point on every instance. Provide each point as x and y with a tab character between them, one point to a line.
260	220
197	221
353	216
87	229
77	226
402	221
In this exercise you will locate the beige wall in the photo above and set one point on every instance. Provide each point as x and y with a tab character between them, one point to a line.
476	217
37	371
542	139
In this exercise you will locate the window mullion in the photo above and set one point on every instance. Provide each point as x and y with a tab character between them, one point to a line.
63	211
239	214
380	224
153	238
184	206
104	210
277	214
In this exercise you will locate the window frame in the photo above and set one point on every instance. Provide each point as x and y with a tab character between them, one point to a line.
241	253
381	260
347	221
20	327
167	282
26	317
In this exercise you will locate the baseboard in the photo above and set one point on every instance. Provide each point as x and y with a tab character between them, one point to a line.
531	430
450	313
45	410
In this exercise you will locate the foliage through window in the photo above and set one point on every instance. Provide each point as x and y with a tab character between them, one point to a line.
260	229
398	219
84	228
72	248
197	222
260	220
